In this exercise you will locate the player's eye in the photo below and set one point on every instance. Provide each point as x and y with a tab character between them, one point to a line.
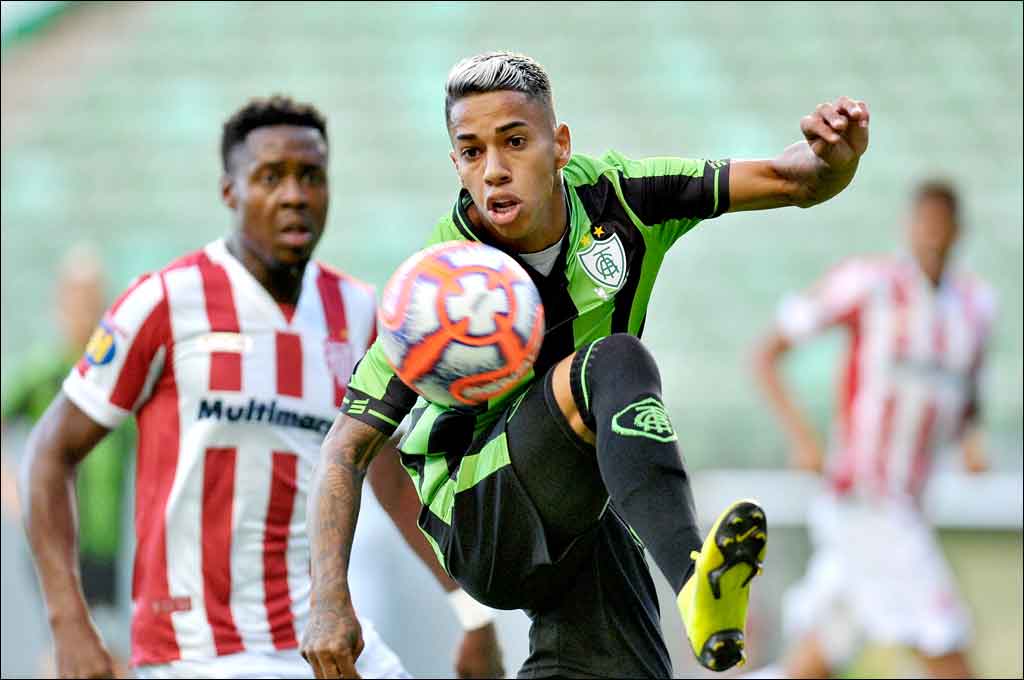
268	177
313	177
470	153
517	142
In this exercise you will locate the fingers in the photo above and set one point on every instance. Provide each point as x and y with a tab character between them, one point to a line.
313	661
347	668
854	109
814	127
831	115
333	654
831	122
331	665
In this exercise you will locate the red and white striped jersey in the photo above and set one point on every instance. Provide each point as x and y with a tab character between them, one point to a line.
910	380
233	395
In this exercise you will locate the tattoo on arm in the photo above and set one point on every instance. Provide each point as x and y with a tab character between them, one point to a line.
334	507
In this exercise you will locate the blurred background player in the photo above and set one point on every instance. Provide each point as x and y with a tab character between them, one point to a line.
100	479
234	359
918	331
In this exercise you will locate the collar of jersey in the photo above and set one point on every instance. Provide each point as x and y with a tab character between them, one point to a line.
218	252
922	280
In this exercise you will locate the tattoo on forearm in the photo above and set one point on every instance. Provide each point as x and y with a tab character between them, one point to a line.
334	508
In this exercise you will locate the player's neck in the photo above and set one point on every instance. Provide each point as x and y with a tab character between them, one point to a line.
555	222
284	283
932	266
553	225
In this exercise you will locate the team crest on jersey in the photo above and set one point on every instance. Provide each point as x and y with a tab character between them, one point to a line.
339	360
102	346
604	261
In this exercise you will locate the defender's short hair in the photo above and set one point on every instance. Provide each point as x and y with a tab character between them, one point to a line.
496	71
942	190
259	112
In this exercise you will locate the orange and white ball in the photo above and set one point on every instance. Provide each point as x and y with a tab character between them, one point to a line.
461	323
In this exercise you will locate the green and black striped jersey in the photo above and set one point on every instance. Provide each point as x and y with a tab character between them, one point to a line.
623	217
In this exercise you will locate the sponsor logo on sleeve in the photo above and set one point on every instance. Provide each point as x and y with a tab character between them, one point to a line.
102	345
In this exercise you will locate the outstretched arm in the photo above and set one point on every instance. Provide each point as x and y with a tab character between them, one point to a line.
333	639
809	172
478	655
57	444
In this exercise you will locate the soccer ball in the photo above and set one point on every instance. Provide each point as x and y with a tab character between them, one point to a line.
461	323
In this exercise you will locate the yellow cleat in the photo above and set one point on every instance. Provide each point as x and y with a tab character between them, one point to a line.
713	602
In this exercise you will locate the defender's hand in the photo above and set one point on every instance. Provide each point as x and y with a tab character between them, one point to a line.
808	454
975	460
838	132
80	651
332	641
479	654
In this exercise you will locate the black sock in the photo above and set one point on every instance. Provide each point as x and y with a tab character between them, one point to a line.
617	389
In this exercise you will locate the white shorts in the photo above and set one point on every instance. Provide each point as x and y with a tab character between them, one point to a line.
376	661
878	573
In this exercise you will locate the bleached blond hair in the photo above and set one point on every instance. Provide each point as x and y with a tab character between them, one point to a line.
494	72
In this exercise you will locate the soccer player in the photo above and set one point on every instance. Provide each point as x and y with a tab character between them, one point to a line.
234	360
918	331
100	482
543	499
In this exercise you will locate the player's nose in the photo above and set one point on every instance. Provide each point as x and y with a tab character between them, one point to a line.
293	193
496	172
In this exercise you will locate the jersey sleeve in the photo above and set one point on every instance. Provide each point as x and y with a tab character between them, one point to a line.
672	195
375	395
125	355
833	301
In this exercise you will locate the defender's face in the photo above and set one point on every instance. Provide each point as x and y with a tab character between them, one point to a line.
278	190
507	152
933	228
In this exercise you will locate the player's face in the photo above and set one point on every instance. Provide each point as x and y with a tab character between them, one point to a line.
278	191
933	228
507	152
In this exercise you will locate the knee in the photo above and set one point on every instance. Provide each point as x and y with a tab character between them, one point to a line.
619	361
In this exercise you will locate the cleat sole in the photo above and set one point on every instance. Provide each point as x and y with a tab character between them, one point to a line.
741	538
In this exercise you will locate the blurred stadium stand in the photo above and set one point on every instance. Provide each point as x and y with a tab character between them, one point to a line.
111	122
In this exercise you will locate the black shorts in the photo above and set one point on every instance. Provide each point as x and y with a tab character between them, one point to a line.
591	599
99	580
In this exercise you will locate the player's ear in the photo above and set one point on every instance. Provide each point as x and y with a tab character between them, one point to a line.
563	146
227	191
455	164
